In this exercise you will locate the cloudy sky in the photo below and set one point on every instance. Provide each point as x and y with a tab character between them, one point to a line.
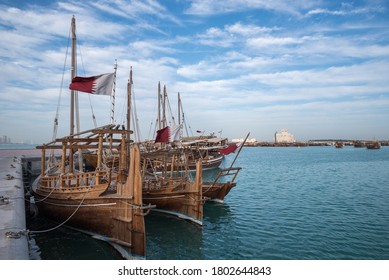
317	68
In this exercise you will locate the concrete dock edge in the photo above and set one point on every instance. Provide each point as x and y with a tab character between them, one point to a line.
13	237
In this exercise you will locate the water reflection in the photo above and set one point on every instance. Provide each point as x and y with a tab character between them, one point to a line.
170	238
65	243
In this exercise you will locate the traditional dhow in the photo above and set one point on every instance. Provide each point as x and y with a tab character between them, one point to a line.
339	144
172	189
105	202
221	185
373	145
205	149
224	181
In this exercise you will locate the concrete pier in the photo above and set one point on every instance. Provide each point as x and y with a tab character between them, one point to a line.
13	237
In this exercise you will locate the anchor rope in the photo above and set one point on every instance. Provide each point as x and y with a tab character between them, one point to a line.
61	224
26	231
43	199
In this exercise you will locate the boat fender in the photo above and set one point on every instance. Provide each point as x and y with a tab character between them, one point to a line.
33	208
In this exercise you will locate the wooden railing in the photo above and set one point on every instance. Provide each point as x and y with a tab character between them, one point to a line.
76	180
228	172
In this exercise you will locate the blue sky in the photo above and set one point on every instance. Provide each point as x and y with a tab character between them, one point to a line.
318	68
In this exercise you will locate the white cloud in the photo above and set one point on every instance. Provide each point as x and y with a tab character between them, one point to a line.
210	7
347	9
270	41
247	29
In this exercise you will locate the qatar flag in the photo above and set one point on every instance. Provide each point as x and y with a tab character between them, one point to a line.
168	134
100	85
230	149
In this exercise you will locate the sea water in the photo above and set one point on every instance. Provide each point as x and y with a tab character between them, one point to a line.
290	203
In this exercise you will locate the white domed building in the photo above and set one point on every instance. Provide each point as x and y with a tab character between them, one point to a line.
284	136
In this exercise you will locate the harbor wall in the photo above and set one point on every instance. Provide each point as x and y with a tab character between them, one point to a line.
13	234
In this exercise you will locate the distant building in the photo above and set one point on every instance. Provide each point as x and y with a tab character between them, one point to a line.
248	141
5	140
284	137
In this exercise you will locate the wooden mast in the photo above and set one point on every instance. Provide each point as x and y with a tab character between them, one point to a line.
159	106
72	92
164	107
113	93
73	74
129	89
179	109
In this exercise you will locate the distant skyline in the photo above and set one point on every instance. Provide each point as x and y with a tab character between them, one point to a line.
317	68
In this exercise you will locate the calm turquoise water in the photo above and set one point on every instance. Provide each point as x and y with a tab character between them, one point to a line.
290	203
17	146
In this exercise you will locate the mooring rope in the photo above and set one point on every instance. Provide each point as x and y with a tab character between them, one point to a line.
43	199
61	224
18	234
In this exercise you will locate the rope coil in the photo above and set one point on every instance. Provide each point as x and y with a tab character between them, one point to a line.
16	235
4	200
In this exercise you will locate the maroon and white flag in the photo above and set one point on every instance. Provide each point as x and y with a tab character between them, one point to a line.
101	84
228	150
168	134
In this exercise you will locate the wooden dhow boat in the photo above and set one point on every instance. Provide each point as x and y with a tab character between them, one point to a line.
224	181
206	149
373	145
169	167
203	148
169	189
218	189
339	144
104	201
172	190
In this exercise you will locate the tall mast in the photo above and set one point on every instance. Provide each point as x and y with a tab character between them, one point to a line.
113	93
164	107
73	74
72	92
129	89
179	108
159	106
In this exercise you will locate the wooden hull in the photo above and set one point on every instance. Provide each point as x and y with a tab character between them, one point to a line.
183	204
83	201
208	163
101	216
217	192
176	196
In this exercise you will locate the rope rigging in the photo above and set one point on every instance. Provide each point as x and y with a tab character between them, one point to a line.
56	117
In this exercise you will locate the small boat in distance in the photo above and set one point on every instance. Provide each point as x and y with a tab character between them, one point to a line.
373	145
359	144
339	144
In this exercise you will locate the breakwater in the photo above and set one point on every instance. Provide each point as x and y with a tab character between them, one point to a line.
13	232
316	143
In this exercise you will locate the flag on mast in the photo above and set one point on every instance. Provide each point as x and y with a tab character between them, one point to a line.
100	85
168	134
230	149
